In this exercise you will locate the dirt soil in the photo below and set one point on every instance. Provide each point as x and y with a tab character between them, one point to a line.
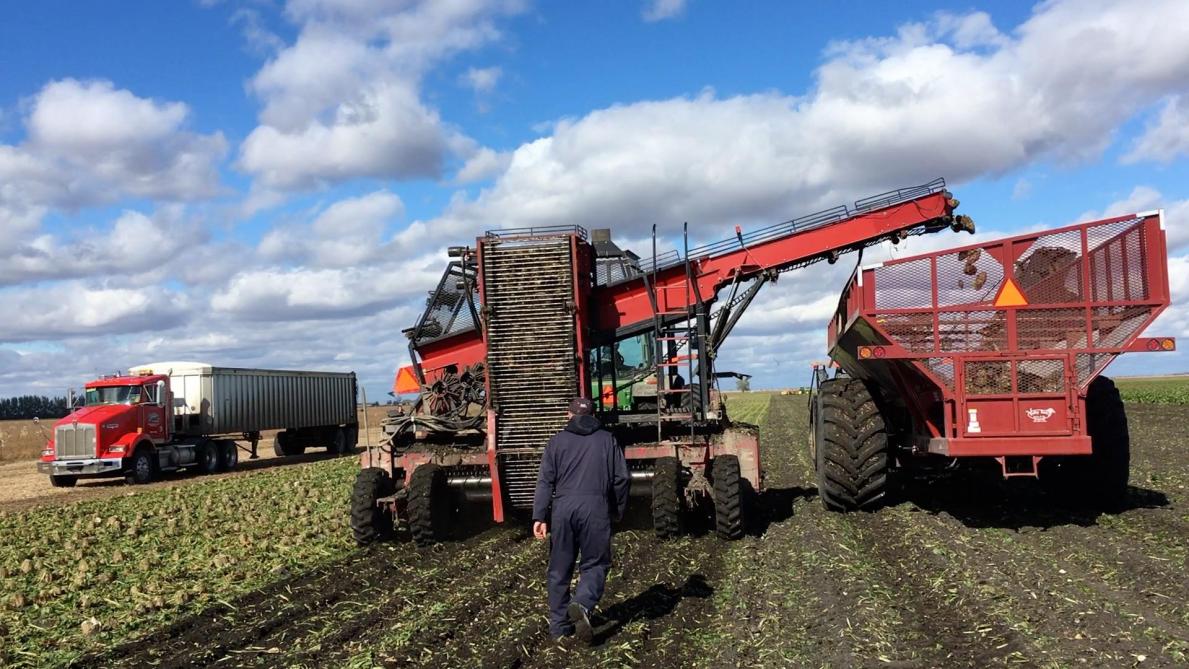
22	487
965	571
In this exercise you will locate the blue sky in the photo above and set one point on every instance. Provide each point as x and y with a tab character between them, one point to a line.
273	183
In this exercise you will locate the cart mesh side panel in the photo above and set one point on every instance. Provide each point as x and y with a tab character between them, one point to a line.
528	287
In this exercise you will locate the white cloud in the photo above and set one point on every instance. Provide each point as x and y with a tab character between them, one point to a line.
344	101
1146	198
89	142
659	10
133	243
348	233
310	294
1165	139
76	308
481	79
484	165
884	112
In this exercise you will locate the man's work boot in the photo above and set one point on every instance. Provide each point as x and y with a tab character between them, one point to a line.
581	619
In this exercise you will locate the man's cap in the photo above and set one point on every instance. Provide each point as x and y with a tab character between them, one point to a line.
581	406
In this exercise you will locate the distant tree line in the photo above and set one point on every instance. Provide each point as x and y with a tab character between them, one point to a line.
28	406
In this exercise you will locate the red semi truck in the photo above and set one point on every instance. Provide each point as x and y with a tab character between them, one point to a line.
180	415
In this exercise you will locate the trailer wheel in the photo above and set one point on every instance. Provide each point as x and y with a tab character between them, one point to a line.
666	498
142	466
852	454
1101	477
428	505
208	457
728	497
228	454
338	442
370	523
63	481
283	444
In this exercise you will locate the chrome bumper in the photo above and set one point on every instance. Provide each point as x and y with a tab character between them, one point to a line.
82	467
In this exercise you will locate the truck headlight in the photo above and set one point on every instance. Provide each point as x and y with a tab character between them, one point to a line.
116	449
47	452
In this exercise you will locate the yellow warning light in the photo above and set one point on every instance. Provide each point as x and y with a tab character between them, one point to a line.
1168	344
1010	296
864	352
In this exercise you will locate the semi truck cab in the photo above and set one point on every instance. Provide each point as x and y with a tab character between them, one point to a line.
125	428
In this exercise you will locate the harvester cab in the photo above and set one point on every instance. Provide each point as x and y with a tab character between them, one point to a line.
527	318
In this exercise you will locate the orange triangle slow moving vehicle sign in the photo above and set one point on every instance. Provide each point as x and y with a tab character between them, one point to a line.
1010	296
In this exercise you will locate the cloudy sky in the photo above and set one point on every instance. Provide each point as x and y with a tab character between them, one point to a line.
272	183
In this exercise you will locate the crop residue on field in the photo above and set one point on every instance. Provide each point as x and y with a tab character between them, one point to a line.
966	572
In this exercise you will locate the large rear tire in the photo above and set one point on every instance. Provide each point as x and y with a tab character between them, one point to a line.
283	444
208	457
728	497
1099	479
666	498
370	523
228	454
429	505
852	452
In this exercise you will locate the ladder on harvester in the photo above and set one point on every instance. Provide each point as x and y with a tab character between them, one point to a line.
677	323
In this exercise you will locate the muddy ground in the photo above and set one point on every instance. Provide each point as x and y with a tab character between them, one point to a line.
966	571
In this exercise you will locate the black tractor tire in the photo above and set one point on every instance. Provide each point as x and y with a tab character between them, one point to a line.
228	454
1099	479
63	481
142	466
370	523
853	458
428	505
728	497
283	444
208	457
667	498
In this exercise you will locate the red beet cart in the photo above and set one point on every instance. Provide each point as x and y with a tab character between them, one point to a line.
992	350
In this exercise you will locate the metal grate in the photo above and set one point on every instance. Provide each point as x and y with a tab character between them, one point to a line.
1050	328
1088	365
447	311
1040	376
74	441
972	331
1117	262
906	285
943	369
988	378
912	331
1113	326
532	371
1049	272
971	276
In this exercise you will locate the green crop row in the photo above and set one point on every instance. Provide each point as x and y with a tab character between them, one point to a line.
79	577
1155	390
750	407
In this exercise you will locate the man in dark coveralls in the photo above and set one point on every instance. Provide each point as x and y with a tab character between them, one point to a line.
584	482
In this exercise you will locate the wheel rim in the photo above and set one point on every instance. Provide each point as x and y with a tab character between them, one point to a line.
143	467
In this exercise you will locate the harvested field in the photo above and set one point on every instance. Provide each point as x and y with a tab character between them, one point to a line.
21	487
961	572
22	439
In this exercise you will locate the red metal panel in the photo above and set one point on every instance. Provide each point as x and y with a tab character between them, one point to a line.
627	303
